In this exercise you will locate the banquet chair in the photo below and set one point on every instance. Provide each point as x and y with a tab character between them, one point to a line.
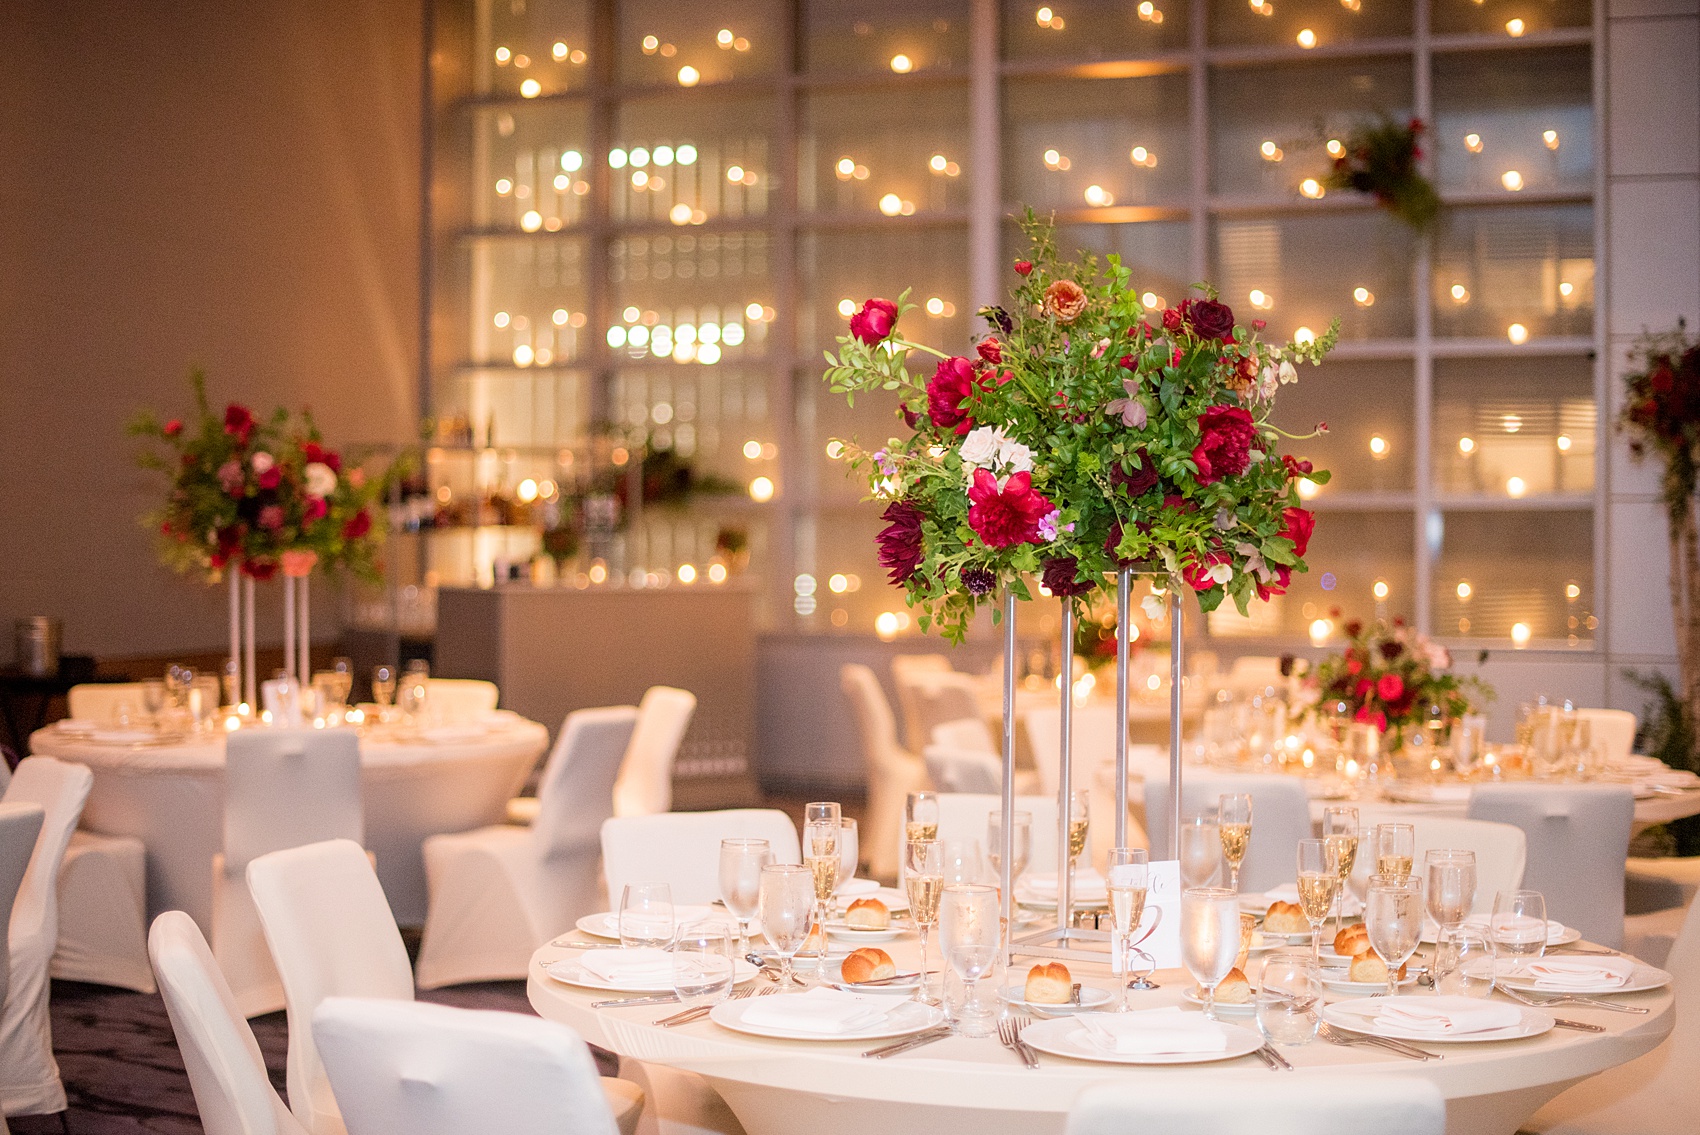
282	788
399	1066
906	671
103	921
1650	1093
682	849
1501	852
1578	841
644	786
1191	1105
226	1071
332	934
963	770
453	700
99	702
1093	741
965	815
1280	817
20	824
929	699
1613	729
892	773
497	893
29	1076
965	733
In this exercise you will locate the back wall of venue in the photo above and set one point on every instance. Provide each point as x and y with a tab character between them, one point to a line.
230	186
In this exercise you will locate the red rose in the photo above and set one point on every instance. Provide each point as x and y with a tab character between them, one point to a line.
1390	686
173	427
357	526
313	451
238	422
1024	267
1128	362
1224	450
270	518
1277	586
1372	717
1295	468
1210	320
1172	319
314	509
1296	525
261	570
1354	667
1197	572
271	478
900	541
1058	577
1366	689
947	394
874	322
1002	517
991	350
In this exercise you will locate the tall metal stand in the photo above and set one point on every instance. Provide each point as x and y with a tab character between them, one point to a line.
1006	857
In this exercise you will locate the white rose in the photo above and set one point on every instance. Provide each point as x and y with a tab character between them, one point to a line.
1014	457
981	445
1221	573
262	461
321	480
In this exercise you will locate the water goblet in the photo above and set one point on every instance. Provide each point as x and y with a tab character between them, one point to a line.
971	938
1289	998
1200	850
1519	925
849	849
741	861
1210	937
1464	965
1393	916
1451	888
704	969
1023	829
786	907
646	915
383	689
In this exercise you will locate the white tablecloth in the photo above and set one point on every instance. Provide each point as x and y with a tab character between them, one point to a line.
171	797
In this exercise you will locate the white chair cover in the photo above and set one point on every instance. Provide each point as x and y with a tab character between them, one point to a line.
422	1069
451	700
332	935
929	699
99	701
963	770
1651	1093
906	671
1194	1104
1613	729
682	849
282	788
497	893
20	825
29	1076
103	913
645	783
226	1071
891	772
1255	672
965	815
1578	841
1280	817
966	733
1501	852
1094	742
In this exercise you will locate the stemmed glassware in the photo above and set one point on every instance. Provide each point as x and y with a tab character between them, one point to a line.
970	934
921	816
822	823
741	861
1340	833
1451	889
1393	916
1288	997
1023	828
962	861
924	880
646	915
411	695
786	907
1200	850
1127	881
1395	848
849	849
153	699
1318	884
383	689
1079	823
1233	819
1210	938
1519	924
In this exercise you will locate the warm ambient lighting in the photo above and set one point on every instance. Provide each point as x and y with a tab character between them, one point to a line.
1308	488
1466	445
523	355
1550	137
1512	180
1152	301
902	64
1271	152
1307	38
680	214
935	306
1464	590
1516	487
891	204
1320	630
1517	333
1261	299
1336	148
717	573
761	490
532	221
526	490
1563	443
752	449
1140	156
724	38
1312	188
1516	27
1380	589
1572	591
530	89
1565	288
1473	143
688	76
1378	447
1519	631
687	574
838	584
885	625
1460	294
1304	335
1098	196
1363	297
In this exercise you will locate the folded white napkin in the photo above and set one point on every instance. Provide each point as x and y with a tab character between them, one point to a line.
1149	1032
1444	1016
643	965
1286	892
1088	884
819	1012
851	888
1580	973
1555	930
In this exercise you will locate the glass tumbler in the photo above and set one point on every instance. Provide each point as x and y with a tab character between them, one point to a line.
1289	998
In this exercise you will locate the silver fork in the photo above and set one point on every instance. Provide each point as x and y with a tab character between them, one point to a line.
1398	1048
1009	1032
1569	999
701	1011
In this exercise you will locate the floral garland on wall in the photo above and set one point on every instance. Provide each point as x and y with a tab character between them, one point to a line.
1086	434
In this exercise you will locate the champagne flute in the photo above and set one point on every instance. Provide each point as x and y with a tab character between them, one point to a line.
971	936
786	905
1079	823
962	861
646	915
1023	828
703	970
849	850
1129	876
1395	848
1393	916
1200	850
1317	886
1519	924
383	689
1210	938
741	861
822	823
924	880
1340	833
1451	891
1233	819
921	816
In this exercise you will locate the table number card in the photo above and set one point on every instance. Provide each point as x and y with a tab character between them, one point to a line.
1159	932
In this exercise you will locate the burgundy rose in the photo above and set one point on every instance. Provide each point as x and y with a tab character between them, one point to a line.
1392	649
1059	577
1296	525
174	427
1210	320
1172	319
874	322
271	517
357	525
900	541
999	318
979	580
1139	481
260	570
991	350
1114	541
1225	448
1354	629
947	394
910	417
313	451
1006	516
238	422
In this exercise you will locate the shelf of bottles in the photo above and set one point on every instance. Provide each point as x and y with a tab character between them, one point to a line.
661	214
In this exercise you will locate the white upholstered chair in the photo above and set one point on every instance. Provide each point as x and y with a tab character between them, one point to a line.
226	1071
282	788
905	670
1194	1104
1093	729
29	1076
1501	852
399	1066
1280	815
99	701
498	893
452	700
965	815
1254	672
892	772
682	849
1578	841
965	733
20	824
1612	729
954	769
930	699
645	784
103	913
332	934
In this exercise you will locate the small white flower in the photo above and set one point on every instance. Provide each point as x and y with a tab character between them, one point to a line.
1289	373
1221	573
1013	457
321	480
1153	607
262	461
981	446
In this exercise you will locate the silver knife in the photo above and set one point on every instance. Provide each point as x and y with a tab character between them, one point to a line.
1275	1059
938	1032
564	944
649	999
1579	1026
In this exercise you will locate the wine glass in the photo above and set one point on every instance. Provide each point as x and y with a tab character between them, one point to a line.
1519	924
1079	822
741	861
1464	965
1317	886
411	695
970	934
1395	848
153	698
1393	916
703	967
1210	937
1233	820
177	681
1340	833
1451	889
849	850
646	915
786	906
822	823
1200	850
962	860
383	688
923	878
1023	829
1127	880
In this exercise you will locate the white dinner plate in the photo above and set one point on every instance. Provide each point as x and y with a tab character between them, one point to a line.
894	898
1342	985
1065	1036
567	971
1090	999
1564	936
1246	1011
124	736
856	934
835	976
1644	978
905	1017
857	889
607	923
1359	1017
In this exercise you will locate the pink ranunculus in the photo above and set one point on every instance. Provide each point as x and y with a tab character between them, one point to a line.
1224	450
270	518
1389	686
1007	516
313	509
947	394
298	562
230	478
875	322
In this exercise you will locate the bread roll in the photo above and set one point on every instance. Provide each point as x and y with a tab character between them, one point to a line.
1351	941
1234	990
1368	966
868	914
1049	983
870	963
1285	918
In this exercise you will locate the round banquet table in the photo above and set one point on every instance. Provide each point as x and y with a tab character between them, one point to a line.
171	797
966	1086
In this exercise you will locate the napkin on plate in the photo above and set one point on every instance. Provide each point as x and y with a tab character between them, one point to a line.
1579	973
819	1012
851	888
1447	1016
1479	922
1151	1032
641	965
1088	884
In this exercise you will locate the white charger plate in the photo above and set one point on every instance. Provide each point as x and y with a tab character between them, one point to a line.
906	1017
567	971
857	934
835	977
1090	999
606	924
1342	985
1359	1017
1644	978
856	889
1246	1011
894	898
1065	1036
1565	935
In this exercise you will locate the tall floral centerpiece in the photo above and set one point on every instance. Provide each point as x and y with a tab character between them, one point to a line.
1394	679
256	498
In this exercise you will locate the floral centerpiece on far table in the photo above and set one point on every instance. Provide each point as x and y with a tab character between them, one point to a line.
1393	678
1083	434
